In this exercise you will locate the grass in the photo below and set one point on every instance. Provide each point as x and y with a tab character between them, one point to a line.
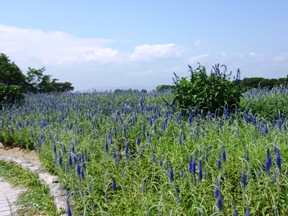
36	199
132	154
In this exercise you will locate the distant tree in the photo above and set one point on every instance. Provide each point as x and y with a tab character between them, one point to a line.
12	81
14	84
10	73
163	88
34	78
62	87
40	83
260	82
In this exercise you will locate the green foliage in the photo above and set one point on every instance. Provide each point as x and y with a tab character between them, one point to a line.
164	88
207	92
14	84
10	73
10	94
94	129
36	199
260	82
266	103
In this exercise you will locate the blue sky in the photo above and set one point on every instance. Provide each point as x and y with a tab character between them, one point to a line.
103	45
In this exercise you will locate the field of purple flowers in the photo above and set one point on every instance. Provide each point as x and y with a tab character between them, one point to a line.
134	154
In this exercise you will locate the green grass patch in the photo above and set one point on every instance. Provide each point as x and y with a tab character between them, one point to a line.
36	199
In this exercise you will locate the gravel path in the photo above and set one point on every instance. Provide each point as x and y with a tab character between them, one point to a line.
8	196
28	161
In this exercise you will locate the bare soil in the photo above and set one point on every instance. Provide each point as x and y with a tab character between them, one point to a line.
29	156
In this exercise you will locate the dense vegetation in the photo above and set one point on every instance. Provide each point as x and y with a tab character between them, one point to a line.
136	154
246	84
132	152
208	93
14	84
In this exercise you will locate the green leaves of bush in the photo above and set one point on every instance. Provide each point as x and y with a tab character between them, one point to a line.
207	92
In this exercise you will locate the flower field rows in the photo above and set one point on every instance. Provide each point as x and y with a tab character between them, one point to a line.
134	154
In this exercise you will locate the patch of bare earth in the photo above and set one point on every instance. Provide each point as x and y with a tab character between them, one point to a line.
16	152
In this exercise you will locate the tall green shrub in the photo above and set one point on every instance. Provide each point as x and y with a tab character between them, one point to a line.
207	92
10	94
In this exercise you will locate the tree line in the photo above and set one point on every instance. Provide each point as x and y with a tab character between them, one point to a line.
246	83
14	84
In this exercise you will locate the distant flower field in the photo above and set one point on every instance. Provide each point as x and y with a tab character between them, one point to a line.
134	154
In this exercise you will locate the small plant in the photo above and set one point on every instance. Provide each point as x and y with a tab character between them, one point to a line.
207	92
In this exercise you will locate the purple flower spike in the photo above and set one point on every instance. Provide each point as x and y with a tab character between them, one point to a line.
278	159
219	162
126	148
60	160
279	124
268	161
223	153
78	169
106	146
200	173
219	202
217	191
69	212
244	178
113	183
70	162
247	155
235	213
171	174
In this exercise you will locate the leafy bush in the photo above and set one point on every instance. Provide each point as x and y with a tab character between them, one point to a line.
10	94
207	92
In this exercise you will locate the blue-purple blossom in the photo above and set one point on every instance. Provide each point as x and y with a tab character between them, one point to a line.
78	169
171	174
113	183
243	178
70	163
278	158
69	212
268	160
60	160
235	213
219	162
200	174
219	202
279	124
138	140
160	161
126	150
223	153
106	146
247	155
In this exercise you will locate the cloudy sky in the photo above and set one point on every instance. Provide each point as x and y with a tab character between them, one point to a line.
103	45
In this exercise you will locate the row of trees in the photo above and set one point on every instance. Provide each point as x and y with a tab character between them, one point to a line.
246	83
14	84
260	82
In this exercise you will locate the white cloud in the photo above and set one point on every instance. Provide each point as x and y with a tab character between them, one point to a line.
197	43
280	57
148	52
93	62
54	47
198	58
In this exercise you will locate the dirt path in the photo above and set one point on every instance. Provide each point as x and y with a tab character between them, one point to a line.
30	156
